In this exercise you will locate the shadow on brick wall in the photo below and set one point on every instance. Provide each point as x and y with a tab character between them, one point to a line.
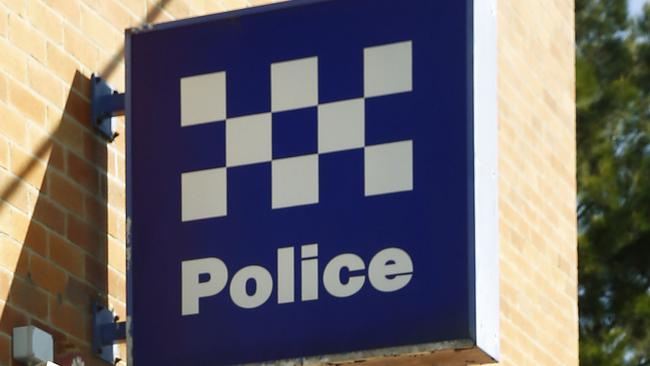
62	266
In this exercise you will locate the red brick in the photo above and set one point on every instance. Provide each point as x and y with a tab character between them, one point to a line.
47	276
96	273
57	157
80	294
70	134
63	349
65	193
36	239
67	318
82	85
66	255
96	213
11	318
5	350
87	237
95	150
49	215
29	298
78	108
83	173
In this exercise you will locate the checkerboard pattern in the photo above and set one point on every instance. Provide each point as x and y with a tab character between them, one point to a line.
388	168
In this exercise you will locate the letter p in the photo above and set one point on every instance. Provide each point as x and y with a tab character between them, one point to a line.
191	287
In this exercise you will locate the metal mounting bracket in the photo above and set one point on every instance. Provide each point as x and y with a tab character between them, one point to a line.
106	330
105	104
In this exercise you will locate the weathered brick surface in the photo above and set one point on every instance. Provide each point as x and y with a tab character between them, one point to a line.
62	225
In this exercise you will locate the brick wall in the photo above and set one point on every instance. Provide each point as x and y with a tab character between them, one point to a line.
539	314
62	194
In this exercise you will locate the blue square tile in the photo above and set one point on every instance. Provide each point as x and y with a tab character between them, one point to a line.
248	90
201	147
392	118
340	73
295	133
242	200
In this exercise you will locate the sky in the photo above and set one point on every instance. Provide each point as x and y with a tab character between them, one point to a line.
636	6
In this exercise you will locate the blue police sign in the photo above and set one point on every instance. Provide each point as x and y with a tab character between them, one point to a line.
301	182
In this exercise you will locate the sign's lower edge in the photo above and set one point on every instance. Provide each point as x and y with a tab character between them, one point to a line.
460	351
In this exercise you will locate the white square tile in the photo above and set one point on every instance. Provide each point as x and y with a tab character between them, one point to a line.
341	125
203	99
204	194
388	168
248	139
388	69
295	181
294	84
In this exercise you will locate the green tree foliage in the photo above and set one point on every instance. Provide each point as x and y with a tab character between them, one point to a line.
613	131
